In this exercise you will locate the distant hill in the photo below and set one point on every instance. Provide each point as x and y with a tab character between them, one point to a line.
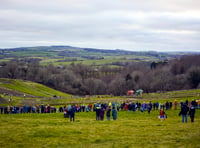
69	51
67	55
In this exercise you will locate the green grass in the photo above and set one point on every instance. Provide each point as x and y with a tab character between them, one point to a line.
32	53
181	94
108	60
129	57
52	56
5	60
131	129
87	62
30	88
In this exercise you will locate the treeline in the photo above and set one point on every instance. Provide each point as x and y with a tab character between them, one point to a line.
78	79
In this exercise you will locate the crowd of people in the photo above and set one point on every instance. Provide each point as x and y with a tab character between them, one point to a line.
27	109
110	109
186	109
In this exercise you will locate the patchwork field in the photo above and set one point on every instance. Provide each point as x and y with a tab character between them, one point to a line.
66	55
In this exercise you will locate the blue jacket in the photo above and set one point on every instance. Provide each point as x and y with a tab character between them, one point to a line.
114	114
72	110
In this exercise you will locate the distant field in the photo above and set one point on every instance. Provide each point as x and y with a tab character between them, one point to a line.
131	129
67	61
91	62
31	53
5	59
56	55
109	61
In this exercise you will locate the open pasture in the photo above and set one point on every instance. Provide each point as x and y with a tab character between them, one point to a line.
131	129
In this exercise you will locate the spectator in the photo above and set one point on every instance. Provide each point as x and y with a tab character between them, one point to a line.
108	113
101	114
149	107
183	112
192	112
97	109
114	113
72	113
175	104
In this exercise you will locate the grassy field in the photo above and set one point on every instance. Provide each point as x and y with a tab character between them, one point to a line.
65	56
130	130
108	60
101	62
31	53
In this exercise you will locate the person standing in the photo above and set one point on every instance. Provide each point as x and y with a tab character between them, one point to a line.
97	109
192	112
183	112
108	113
101	114
149	107
114	113
72	113
1	110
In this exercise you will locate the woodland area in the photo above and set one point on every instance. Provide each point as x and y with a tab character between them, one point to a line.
78	79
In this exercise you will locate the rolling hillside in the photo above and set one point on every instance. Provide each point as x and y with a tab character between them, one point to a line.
26	88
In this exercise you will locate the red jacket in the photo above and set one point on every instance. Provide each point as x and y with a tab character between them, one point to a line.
162	113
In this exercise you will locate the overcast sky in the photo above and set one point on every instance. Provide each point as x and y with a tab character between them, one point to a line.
138	25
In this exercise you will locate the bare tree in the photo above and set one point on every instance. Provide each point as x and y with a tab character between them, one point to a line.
194	76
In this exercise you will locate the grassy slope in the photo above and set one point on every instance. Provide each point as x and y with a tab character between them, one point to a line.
29	88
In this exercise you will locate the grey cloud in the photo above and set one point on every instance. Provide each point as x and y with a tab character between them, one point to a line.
128	24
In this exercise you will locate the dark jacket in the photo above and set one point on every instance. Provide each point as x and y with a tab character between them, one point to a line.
184	110
72	111
192	111
101	114
108	112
